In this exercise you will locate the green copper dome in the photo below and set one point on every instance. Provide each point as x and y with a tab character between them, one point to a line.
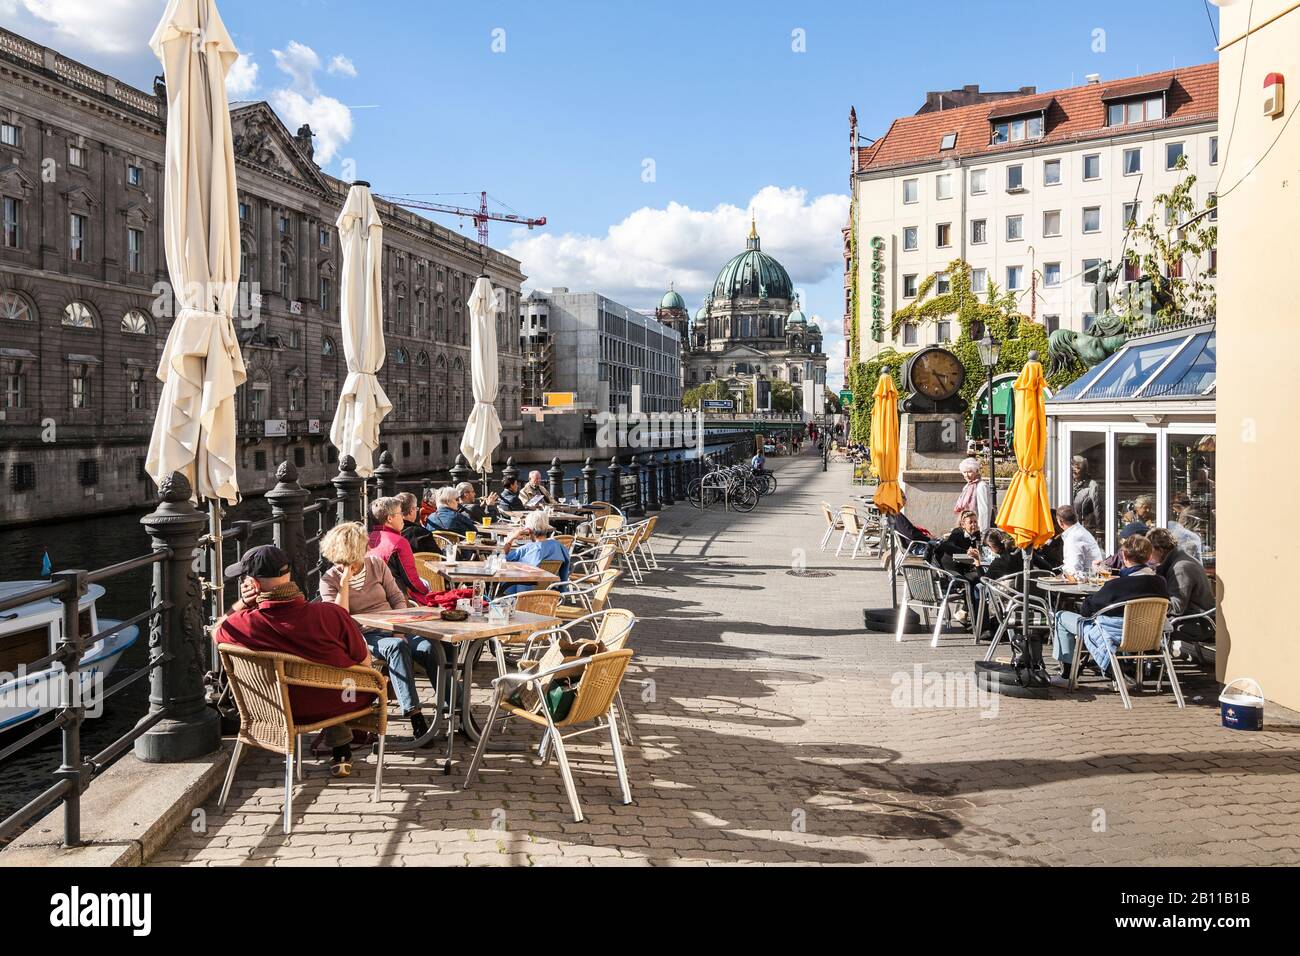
753	273
672	300
702	314
796	318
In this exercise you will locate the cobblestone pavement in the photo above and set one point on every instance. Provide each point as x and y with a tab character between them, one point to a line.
772	729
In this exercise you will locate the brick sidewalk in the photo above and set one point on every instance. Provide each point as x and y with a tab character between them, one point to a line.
768	732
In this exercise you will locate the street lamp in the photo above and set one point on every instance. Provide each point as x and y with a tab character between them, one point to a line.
989	349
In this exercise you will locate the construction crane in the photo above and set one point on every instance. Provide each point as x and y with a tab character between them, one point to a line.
479	215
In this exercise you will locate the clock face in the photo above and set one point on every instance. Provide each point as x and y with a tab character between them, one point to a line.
937	374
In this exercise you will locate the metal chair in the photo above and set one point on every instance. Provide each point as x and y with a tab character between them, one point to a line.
921	593
833	524
540	602
1142	638
1003	599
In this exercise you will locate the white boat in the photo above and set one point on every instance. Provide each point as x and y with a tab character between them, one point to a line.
32	631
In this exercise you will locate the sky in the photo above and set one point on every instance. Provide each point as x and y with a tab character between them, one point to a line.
645	133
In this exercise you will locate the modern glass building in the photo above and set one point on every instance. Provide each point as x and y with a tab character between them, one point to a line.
1139	430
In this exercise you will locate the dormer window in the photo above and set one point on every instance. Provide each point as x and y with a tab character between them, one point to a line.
1017	130
1141	101
1019	120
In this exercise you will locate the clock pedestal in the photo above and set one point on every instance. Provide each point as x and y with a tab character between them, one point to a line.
931	446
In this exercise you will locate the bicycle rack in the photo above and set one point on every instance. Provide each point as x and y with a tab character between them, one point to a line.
717	481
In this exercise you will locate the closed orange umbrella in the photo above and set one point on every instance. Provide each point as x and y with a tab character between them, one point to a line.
884	446
1026	512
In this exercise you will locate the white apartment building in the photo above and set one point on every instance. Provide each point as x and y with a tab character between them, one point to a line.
1041	184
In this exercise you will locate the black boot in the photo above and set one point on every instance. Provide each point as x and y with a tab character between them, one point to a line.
419	726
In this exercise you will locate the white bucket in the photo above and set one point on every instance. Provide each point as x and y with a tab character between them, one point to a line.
1243	710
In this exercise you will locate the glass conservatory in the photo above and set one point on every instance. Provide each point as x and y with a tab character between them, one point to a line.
1135	437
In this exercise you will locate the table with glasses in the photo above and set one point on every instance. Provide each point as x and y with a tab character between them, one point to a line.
510	573
1057	588
460	645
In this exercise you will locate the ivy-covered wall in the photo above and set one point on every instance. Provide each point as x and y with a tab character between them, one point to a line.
994	310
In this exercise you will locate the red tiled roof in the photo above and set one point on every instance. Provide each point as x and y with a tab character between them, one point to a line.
1077	113
1021	105
1139	87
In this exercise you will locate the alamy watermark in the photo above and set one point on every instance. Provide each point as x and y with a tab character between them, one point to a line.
647	429
49	689
946	689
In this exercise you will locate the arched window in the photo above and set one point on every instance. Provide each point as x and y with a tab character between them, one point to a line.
327	346
400	356
16	306
135	322
78	315
422	360
247	262
286	271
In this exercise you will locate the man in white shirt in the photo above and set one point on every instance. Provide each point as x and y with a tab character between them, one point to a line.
1080	546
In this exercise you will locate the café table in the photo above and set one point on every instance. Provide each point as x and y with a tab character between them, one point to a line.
1055	589
511	573
459	645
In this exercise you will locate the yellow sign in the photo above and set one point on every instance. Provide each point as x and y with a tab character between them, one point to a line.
558	399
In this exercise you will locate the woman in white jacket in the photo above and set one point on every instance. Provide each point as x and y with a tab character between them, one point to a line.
976	496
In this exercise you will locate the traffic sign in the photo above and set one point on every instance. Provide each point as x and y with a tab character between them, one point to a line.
719	404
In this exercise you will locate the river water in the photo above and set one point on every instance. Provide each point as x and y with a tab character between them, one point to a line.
89	544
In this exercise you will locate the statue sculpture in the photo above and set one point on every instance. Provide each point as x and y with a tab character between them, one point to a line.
1102	339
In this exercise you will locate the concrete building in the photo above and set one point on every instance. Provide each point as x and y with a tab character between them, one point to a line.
1258	301
1033	191
610	355
83	320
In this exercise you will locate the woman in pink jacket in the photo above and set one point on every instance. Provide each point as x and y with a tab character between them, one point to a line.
388	545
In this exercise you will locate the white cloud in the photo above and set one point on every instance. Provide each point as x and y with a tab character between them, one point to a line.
638	257
114	27
303	102
242	78
300	62
342	66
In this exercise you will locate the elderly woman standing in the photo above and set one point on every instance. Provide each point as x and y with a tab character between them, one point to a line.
360	583
976	496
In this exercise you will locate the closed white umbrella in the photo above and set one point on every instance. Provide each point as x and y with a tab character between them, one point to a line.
483	430
201	366
362	403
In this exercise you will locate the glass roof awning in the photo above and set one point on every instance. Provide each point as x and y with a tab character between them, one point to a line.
1167	366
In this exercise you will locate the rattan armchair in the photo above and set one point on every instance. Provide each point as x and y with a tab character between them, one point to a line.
583	595
260	682
424	561
1142	638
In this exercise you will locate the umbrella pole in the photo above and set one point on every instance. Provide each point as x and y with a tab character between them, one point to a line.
893	566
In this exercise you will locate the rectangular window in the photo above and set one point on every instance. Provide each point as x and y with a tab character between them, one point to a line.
1051	323
135	394
1132	270
1132	210
284	225
81	391
909	333
76	237
942	284
1212	204
1089	273
1173	153
1015	278
15	390
134	176
88	472
134	250
909	238
911	190
1115	114
979	231
949	141
943	186
1051	172
979	280
1092	166
259	460
1015	228
23	476
1051	274
978	181
1214	150
909	287
1132	161
1015	177
76	156
13	222
1091	219
324	293
324	238
8	134
943	235
1052	222
1155	108
244	210
944	332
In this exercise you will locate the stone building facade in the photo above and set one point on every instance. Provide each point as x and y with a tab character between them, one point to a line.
84	312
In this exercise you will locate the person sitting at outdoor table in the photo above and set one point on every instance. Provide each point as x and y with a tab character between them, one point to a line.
508	496
273	615
977	495
449	517
415	534
1103	635
1143	511
536	548
964	540
533	490
1079	546
1190	590
360	583
469	505
387	544
1116	560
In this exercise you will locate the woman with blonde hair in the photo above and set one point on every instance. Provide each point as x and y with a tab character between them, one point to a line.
360	582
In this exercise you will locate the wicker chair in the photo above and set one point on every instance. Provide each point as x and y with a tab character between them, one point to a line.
564	539
424	561
260	682
833	524
448	537
645	548
852	524
542	603
581	596
597	559
598	684
1142	639
552	566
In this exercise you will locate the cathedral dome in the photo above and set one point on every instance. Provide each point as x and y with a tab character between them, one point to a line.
753	273
797	318
672	300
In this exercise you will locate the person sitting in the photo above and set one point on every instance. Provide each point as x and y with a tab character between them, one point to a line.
1103	635
1007	558
361	583
536	547
449	517
428	504
535	489
1116	561
1187	520
508	497
415	534
387	544
1190	590
1079	546
976	495
273	615
471	507
962	540
757	463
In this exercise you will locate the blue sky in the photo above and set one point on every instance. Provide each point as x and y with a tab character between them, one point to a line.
644	132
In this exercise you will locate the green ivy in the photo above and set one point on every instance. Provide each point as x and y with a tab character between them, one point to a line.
852	344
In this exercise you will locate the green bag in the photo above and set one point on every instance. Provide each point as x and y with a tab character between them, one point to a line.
560	697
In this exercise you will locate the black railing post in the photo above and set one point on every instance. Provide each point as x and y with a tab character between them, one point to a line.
459	470
679	478
652	484
666	480
347	485
386	475
287	499
589	483
555	478
73	769
615	484
511	470
636	507
177	637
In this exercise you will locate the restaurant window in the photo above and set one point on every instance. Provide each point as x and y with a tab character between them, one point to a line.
978	181
1173	153
979	229
909	240
911	190
1051	274
1135	479
77	237
135	250
1088	481
1091	166
1091	219
1015	177
943	235
1051	222
979	280
1051	172
1015	228
13	222
1132	161
134	175
1191	478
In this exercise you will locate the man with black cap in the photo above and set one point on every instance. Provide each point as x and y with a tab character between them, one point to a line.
273	615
